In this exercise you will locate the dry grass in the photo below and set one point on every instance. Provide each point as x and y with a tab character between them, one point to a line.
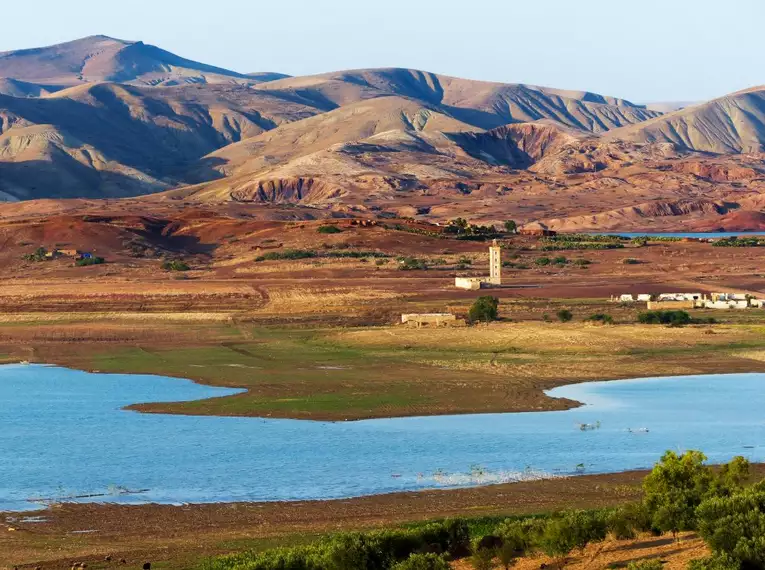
350	300
547	337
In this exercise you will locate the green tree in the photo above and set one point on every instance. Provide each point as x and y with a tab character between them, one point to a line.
484	309
734	529
511	227
675	488
564	315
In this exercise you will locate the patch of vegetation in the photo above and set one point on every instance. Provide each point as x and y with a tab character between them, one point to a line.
86	261
601	318
673	318
411	264
376	550
511	227
564	315
631	261
484	309
355	254
582	262
734	241
175	265
542	261
37	255
680	493
463	229
329	230
560	260
287	254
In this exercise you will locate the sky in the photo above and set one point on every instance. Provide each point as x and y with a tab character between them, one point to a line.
641	50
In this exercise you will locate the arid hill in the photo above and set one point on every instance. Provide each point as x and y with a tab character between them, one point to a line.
101	58
106	118
731	124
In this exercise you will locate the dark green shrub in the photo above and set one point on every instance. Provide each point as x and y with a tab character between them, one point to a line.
714	562
675	318
85	261
175	265
601	318
329	230
564	315
423	562
631	261
37	255
411	264
510	226
484	309
482	559
522	535
287	254
582	262
734	529
560	260
571	530
542	261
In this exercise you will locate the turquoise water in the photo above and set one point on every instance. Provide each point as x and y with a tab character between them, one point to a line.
698	235
63	434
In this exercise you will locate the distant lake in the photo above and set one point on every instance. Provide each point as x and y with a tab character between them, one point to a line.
63	434
699	235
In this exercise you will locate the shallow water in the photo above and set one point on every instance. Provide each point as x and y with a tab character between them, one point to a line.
698	235
63	434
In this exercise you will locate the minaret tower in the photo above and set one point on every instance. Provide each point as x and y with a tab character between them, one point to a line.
495	264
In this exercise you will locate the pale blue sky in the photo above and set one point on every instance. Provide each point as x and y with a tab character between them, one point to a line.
649	50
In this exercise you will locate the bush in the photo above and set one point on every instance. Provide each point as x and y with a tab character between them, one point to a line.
734	529
601	318
630	261
564	315
483	559
175	265
287	254
582	262
542	261
522	535
37	255
484	309
675	318
377	550
423	562
628	520
85	261
572	529
329	230
560	260
715	562
411	264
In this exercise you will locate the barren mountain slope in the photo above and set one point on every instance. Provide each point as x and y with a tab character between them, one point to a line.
353	122
732	124
147	136
480	103
100	58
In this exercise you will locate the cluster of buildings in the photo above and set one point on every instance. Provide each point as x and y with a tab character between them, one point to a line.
694	300
73	253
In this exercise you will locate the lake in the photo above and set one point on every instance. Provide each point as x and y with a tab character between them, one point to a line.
63	434
697	235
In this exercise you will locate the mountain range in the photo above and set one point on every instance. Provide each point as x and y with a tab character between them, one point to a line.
105	118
